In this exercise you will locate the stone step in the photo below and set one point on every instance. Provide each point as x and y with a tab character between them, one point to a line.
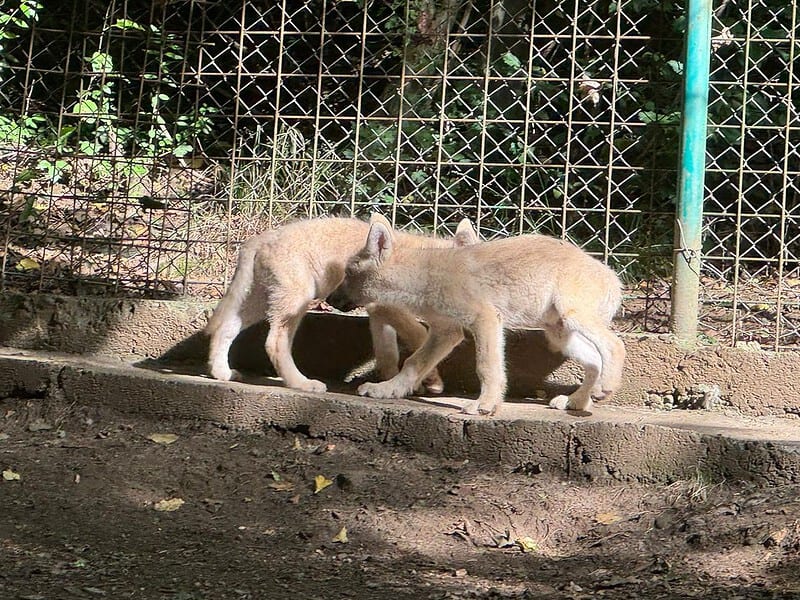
615	442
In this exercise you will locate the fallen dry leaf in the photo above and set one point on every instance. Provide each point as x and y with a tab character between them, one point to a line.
297	445
527	544
168	505
607	518
27	264
323	448
321	482
503	540
163	438
341	537
776	538
281	486
10	475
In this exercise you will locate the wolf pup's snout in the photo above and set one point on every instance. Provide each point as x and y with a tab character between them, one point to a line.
339	300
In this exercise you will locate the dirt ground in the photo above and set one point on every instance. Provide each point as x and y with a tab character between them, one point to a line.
82	521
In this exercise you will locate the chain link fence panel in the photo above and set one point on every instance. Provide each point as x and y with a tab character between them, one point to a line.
140	142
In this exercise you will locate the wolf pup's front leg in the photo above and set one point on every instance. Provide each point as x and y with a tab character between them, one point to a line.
487	330
443	336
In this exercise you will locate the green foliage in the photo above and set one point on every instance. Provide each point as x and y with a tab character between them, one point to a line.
18	132
15	18
99	121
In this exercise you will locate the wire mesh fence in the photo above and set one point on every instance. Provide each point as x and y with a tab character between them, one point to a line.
141	141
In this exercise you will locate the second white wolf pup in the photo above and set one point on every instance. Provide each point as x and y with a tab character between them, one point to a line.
281	271
529	281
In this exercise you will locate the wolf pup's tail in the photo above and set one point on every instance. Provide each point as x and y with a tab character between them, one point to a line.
612	299
239	288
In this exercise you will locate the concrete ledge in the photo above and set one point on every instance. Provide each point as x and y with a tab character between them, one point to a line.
658	374
613	442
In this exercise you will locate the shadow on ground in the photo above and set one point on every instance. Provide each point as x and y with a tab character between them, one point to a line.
81	521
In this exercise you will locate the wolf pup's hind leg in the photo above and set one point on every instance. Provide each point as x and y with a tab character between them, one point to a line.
219	346
282	329
579	342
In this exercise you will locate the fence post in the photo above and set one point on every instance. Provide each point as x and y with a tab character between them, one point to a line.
689	215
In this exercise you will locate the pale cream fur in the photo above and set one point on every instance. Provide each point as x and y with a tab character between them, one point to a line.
529	281
281	271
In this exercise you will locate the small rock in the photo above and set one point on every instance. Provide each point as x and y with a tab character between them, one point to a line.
529	469
711	395
664	520
460	573
39	425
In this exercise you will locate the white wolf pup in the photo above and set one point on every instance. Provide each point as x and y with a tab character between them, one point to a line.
281	271
529	281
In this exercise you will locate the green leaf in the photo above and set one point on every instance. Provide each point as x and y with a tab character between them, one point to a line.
648	116
29	11
25	175
676	66
182	150
101	62
85	107
126	24
418	176
512	61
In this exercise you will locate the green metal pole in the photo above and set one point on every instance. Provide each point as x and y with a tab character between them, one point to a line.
689	215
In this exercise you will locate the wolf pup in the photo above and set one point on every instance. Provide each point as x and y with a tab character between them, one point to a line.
529	281
281	271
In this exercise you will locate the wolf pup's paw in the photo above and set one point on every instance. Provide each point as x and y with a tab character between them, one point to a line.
433	383
573	402
488	407
225	374
474	407
470	407
310	385
385	390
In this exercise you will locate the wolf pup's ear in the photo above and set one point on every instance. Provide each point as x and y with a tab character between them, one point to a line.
379	241
465	234
379	218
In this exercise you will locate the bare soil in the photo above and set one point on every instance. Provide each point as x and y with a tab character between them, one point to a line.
81	522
